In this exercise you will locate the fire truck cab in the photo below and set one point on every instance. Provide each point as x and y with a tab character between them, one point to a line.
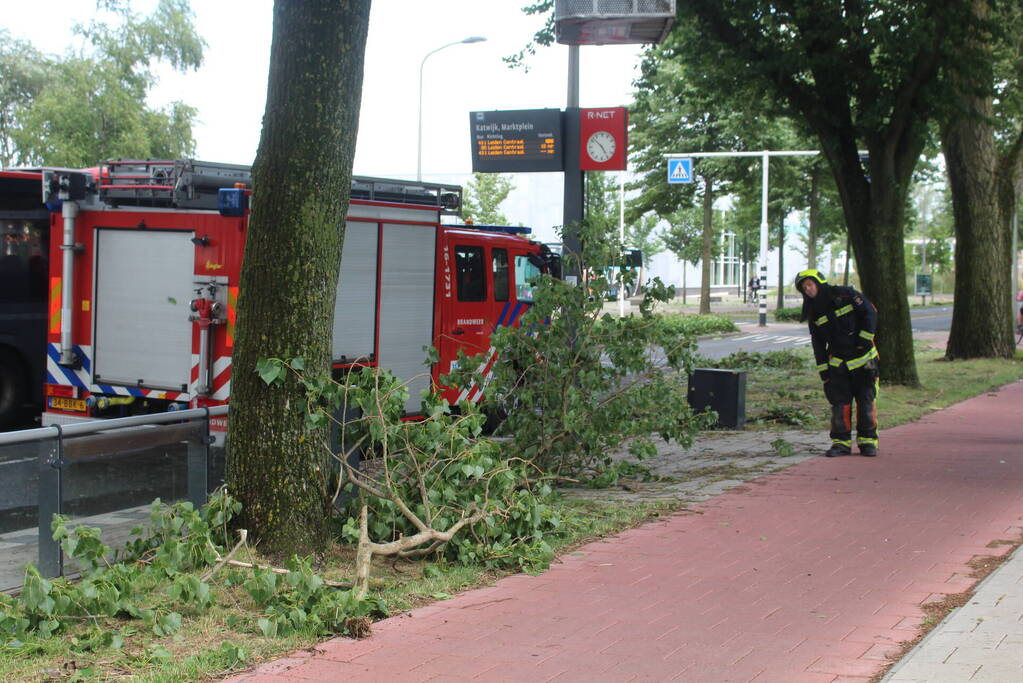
145	259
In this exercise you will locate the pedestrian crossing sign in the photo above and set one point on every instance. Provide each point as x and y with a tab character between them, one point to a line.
680	171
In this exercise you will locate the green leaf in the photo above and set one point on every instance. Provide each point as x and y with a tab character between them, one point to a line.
267	628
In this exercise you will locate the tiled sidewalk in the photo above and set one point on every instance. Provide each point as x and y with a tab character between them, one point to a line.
815	573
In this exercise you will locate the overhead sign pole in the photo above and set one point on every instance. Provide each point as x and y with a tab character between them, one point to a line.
574	188
673	165
589	23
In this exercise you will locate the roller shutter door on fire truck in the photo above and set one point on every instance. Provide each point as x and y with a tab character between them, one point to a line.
355	308
406	304
143	287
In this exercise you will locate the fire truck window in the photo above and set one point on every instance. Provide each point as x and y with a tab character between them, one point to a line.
524	272
499	264
471	273
23	262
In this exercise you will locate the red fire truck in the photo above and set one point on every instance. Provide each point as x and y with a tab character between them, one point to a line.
145	258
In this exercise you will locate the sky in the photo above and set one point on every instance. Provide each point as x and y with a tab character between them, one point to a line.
229	90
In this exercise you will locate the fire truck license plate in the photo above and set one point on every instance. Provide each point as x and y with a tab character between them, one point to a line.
59	403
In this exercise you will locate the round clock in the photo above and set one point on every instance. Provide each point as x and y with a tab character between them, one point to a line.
601	146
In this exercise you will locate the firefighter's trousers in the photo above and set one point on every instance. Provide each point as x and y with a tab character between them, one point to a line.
842	388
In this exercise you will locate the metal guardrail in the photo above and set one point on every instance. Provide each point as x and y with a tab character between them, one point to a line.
60	447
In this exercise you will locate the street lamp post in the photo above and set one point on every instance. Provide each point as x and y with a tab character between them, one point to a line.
419	137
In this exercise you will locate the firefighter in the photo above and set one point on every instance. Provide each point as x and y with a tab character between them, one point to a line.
842	325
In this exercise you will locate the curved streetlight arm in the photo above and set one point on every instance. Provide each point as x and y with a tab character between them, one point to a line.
419	135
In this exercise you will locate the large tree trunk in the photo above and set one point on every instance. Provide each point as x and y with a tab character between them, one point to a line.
983	194
707	255
980	324
302	181
874	210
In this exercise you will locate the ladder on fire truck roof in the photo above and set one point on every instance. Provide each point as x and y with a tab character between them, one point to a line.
187	183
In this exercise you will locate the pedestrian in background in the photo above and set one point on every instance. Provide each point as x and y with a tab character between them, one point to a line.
842	326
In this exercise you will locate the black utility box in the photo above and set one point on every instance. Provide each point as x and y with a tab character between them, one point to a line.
723	391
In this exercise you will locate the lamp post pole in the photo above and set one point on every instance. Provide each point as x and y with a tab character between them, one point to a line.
419	137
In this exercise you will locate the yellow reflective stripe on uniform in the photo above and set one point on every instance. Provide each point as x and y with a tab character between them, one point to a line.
869	336
843	310
835	362
821	320
822	366
862	360
865	441
842	443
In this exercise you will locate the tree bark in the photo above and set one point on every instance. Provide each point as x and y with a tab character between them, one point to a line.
707	255
302	182
984	190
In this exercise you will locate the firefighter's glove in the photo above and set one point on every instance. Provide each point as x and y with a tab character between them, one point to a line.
825	375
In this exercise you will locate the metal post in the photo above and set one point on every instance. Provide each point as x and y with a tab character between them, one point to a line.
199	465
621	236
574	188
763	245
69	212
50	503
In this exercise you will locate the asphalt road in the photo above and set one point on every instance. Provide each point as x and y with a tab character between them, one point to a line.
777	336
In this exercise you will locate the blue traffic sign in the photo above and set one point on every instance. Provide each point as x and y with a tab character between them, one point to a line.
680	170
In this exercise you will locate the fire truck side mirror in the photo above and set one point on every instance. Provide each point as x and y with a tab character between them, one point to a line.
64	186
450	201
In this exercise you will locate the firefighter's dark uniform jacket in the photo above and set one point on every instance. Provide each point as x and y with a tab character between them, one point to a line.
842	328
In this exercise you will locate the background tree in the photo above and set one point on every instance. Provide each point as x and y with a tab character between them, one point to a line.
483	197
982	140
743	220
684	238
674	112
640	234
824	222
23	73
90	104
931	222
862	77
600	203
302	182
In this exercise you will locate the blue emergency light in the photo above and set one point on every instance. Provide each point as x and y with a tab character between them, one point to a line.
508	229
232	201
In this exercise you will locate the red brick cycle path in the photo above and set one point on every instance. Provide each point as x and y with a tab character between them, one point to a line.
815	573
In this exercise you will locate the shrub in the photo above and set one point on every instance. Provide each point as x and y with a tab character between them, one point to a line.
695	325
574	385
786	359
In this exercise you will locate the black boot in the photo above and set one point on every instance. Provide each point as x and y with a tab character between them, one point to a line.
838	449
869	450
